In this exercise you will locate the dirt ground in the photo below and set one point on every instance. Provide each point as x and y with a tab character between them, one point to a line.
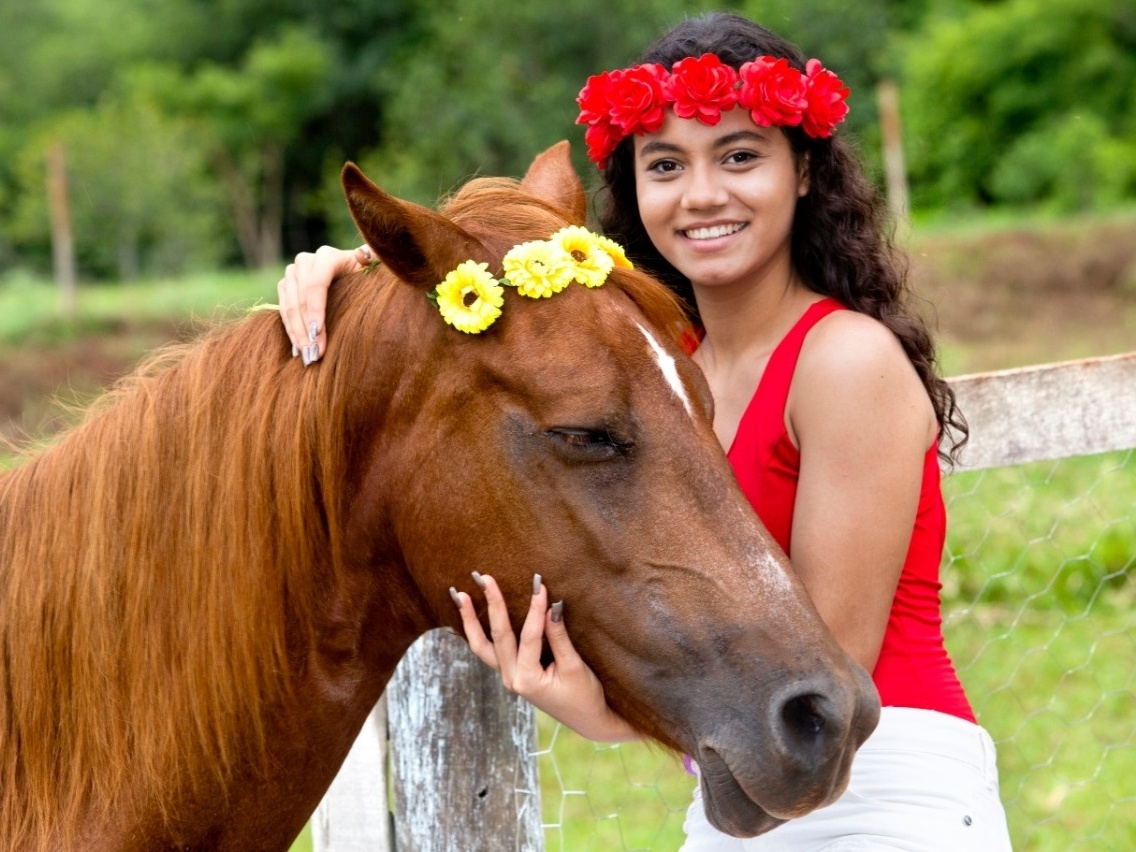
997	299
1010	298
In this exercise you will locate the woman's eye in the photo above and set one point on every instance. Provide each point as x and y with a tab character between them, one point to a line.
739	157
663	166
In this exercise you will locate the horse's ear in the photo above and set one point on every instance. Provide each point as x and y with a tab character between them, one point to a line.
553	178
419	245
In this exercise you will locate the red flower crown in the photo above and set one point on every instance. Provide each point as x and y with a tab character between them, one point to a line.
617	103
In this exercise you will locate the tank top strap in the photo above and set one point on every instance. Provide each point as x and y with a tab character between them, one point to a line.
773	389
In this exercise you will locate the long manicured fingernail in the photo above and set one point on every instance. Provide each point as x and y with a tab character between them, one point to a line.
536	584
312	353
557	610
455	597
295	350
313	330
477	578
306	355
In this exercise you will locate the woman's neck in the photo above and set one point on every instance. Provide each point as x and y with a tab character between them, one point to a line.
742	323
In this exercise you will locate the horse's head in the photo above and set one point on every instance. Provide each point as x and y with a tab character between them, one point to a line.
573	438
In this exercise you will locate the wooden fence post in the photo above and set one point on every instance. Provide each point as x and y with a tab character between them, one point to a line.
354	815
62	239
895	169
462	754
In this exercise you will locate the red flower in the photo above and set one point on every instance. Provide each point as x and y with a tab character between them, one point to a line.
602	139
773	91
594	100
636	100
702	88
616	104
827	96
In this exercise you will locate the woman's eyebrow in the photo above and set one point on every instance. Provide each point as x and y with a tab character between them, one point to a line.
739	136
659	146
656	146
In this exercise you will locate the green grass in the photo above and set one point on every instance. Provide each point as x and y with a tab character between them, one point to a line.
1053	535
1056	694
30	312
1041	620
304	841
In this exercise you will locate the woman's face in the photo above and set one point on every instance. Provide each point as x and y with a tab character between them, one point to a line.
718	202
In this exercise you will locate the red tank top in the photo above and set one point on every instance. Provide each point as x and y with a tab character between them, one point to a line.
913	669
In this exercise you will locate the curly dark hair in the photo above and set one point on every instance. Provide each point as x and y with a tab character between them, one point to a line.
841	242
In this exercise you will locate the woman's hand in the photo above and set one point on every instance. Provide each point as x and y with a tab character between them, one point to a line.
568	689
303	294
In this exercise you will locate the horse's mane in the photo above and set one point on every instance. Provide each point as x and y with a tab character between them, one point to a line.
161	565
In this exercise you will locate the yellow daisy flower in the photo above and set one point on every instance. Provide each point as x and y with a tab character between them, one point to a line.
469	297
616	251
539	268
593	261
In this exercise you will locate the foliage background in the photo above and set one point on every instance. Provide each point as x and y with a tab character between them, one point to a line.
206	134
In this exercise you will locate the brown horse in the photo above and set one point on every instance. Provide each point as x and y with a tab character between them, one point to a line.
206	585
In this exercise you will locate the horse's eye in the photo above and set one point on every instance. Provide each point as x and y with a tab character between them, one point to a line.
588	444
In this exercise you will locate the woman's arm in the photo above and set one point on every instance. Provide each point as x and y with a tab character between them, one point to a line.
863	423
567	690
303	290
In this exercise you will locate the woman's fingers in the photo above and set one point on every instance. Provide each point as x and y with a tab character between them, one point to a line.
529	671
558	640
568	689
302	295
500	629
517	661
474	634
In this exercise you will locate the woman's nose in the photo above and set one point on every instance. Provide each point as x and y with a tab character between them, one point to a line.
704	189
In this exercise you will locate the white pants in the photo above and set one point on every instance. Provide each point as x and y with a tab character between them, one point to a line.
923	782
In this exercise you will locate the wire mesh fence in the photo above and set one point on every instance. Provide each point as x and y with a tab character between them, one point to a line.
1039	593
1040	617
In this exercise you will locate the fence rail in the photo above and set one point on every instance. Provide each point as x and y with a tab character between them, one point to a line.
463	750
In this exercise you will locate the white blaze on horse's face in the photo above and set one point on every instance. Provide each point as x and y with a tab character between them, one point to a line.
670	371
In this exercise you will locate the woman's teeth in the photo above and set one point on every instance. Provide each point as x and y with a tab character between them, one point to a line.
713	232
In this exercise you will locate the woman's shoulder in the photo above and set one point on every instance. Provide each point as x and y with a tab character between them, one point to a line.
847	344
853	363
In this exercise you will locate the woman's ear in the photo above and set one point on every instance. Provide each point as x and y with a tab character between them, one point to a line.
803	175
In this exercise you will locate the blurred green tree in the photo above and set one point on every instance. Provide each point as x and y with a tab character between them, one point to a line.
257	104
251	113
142	199
1024	102
481	86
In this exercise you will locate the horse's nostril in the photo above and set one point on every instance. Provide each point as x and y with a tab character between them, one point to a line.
804	716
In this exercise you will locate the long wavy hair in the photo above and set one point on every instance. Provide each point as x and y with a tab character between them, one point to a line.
841	241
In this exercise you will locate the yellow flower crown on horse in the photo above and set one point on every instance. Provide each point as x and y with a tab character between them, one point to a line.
470	298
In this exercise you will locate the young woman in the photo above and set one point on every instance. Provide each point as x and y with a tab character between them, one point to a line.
725	178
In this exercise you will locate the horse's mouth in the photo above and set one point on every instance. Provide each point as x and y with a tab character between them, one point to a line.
731	809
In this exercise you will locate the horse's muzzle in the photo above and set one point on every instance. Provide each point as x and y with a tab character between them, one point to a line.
812	731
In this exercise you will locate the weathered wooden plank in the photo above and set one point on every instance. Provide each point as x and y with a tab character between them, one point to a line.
461	754
354	815
1048	411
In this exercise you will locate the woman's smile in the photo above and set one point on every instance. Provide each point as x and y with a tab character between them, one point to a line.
712	232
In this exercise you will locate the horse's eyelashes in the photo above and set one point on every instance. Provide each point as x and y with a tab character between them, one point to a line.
589	444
